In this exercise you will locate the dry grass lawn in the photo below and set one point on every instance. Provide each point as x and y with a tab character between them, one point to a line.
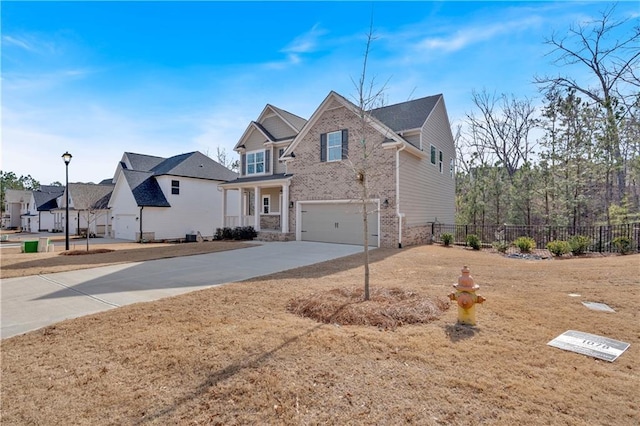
234	354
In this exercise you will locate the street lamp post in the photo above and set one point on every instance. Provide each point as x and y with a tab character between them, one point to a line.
67	159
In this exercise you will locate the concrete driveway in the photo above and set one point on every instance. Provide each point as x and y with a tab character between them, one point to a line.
29	303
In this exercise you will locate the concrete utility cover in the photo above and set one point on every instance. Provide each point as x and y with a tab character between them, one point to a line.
590	345
598	306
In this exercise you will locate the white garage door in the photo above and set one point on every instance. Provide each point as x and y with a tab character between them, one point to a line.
337	223
125	226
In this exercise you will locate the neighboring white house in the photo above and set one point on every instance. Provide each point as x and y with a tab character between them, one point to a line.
17	203
157	198
88	209
41	216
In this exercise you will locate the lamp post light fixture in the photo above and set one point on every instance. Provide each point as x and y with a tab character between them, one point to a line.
67	159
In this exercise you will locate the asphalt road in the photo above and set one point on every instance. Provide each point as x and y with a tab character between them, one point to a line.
29	303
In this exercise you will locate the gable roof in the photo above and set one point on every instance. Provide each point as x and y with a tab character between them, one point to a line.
195	165
46	198
295	122
145	189
90	196
142	162
407	115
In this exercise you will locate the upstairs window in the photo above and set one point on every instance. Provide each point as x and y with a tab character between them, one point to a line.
440	161
255	162
433	155
334	146
280	152
175	187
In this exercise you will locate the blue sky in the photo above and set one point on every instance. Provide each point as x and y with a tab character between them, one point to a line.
163	78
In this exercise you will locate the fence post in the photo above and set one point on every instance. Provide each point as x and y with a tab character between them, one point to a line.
600	244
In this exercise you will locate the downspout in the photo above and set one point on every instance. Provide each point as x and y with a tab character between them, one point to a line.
141	207
398	213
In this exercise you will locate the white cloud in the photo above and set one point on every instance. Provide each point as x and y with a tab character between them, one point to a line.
305	43
14	41
475	34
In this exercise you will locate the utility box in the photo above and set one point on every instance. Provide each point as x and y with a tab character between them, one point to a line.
43	244
30	247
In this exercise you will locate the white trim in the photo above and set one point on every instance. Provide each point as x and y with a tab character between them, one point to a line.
299	205
264	162
268	198
339	147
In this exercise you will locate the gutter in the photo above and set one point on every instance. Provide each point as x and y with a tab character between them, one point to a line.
140	240
399	214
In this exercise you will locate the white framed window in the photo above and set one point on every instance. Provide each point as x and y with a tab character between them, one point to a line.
255	162
451	171
334	146
440	165
433	155
266	204
280	152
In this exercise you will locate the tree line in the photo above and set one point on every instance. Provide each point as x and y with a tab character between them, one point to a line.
574	161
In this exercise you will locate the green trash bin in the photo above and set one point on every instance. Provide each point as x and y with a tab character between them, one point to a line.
30	247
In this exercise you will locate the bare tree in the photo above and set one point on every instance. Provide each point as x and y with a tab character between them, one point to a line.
368	97
501	129
225	159
614	62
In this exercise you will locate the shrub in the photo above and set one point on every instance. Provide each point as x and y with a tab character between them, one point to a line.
446	238
579	244
237	233
244	233
473	241
525	244
501	246
624	245
558	248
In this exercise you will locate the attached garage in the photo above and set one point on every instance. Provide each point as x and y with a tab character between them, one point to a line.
337	222
125	226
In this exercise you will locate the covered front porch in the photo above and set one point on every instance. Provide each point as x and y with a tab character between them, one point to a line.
263	203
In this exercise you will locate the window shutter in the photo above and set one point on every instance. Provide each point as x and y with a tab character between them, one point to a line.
267	161
323	147
345	144
243	161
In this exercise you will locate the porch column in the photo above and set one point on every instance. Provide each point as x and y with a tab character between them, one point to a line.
240	211
224	208
284	208
257	208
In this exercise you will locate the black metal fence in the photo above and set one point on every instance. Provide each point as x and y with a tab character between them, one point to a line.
601	236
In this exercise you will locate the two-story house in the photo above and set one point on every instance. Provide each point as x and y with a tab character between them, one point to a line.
303	180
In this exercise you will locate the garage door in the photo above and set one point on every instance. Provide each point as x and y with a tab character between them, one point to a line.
125	226
337	223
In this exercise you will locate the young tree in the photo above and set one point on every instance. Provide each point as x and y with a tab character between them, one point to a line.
368	97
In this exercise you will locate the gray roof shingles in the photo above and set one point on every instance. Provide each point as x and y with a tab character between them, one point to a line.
145	189
46	197
406	115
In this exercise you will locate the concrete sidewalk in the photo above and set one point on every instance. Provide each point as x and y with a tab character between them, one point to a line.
29	303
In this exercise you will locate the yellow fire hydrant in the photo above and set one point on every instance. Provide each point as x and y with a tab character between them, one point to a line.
466	297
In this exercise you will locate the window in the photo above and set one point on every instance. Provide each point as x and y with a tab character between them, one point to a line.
266	201
175	187
280	152
440	161
451	167
334	146
433	155
255	162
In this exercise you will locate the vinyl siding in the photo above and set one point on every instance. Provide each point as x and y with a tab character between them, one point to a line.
278	128
426	195
255	141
